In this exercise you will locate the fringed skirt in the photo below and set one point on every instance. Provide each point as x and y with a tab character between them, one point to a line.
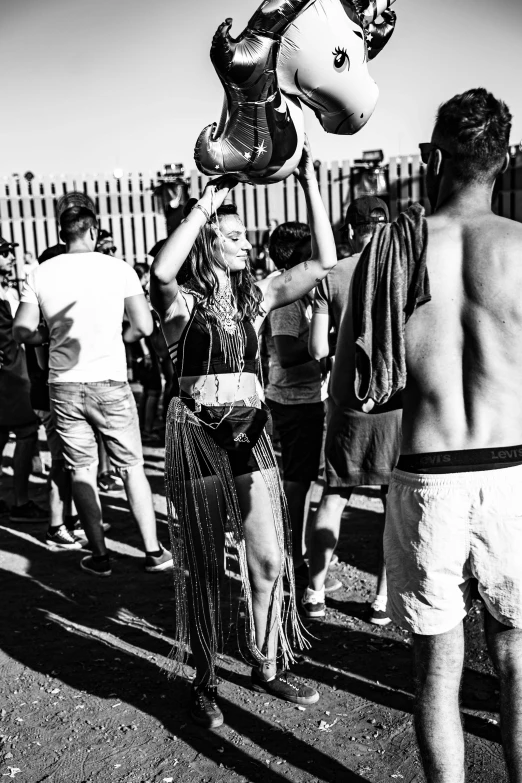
197	471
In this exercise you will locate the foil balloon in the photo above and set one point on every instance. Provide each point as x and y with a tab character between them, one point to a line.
314	51
333	77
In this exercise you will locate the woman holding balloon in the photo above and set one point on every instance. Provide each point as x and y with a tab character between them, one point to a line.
221	474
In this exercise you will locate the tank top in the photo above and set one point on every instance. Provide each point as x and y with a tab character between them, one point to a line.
199	350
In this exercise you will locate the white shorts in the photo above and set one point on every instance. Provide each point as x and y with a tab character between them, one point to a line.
441	531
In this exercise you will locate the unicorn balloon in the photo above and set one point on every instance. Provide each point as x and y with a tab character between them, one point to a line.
314	51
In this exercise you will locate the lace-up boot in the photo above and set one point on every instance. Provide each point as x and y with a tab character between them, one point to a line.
204	709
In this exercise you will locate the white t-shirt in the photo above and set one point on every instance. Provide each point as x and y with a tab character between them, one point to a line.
82	296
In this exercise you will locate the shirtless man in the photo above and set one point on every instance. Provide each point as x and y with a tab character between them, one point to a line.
455	501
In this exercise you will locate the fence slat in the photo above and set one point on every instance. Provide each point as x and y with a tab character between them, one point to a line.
126	207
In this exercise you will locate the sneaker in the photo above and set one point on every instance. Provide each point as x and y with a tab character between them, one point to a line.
331	584
301	576
99	566
28	512
285	686
61	538
203	706
109	483
313	603
378	615
161	563
79	533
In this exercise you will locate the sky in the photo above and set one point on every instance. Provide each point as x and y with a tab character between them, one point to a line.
88	87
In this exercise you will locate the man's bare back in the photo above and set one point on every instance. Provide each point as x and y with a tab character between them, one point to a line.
464	347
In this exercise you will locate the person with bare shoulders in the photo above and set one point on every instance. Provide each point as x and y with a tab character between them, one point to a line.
221	474
455	501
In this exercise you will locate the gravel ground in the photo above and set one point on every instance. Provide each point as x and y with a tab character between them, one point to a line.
85	697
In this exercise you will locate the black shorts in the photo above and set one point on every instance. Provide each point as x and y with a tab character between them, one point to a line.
300	429
361	448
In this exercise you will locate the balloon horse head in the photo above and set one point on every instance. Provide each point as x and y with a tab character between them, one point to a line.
292	51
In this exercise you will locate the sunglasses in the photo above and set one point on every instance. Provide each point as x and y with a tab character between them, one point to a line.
6	253
427	147
108	250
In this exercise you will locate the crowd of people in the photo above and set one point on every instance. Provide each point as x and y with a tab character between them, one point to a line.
389	359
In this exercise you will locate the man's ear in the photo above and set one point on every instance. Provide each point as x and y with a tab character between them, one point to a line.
506	163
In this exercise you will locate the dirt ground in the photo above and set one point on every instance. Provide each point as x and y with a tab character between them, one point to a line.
85	698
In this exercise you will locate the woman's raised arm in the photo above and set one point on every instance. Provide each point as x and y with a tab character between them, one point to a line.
294	283
175	251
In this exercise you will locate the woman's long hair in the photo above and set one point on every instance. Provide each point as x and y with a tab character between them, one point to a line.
198	273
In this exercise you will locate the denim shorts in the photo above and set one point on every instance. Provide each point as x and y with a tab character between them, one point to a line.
106	407
441	531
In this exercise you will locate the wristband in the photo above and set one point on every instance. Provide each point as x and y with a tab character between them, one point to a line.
202	208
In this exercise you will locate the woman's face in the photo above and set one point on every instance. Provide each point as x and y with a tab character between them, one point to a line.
232	247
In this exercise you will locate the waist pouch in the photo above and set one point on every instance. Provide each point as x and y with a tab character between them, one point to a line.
237	429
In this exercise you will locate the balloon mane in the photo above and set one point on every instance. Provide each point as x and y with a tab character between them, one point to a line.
291	51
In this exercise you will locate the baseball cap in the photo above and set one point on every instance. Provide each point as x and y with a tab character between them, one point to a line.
77	200
5	244
360	211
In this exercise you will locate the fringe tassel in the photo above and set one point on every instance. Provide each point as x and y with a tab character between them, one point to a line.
186	440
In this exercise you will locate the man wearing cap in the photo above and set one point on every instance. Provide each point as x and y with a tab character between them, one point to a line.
360	449
16	413
82	296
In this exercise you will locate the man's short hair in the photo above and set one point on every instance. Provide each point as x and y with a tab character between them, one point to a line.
286	243
75	222
477	125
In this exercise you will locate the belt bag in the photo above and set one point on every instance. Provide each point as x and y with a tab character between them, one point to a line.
237	429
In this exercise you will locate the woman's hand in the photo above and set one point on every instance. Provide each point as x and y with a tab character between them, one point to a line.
305	172
216	192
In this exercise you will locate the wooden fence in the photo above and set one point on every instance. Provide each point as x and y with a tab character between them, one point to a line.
126	206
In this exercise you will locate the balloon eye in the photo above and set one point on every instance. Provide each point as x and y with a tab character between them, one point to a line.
341	59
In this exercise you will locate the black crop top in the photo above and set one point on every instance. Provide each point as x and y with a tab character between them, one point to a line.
190	355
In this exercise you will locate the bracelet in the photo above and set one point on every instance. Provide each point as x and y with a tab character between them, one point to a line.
202	208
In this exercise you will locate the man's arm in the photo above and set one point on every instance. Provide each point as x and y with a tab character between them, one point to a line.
291	351
318	340
319	335
140	318
27	327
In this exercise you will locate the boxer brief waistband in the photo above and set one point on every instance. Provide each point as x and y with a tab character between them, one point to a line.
463	461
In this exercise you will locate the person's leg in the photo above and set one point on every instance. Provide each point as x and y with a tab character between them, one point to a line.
104	463
139	495
505	648
59	489
264	562
206	535
324	534
438	663
296	492
300	429
112	413
150	410
22	464
381	576
87	500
